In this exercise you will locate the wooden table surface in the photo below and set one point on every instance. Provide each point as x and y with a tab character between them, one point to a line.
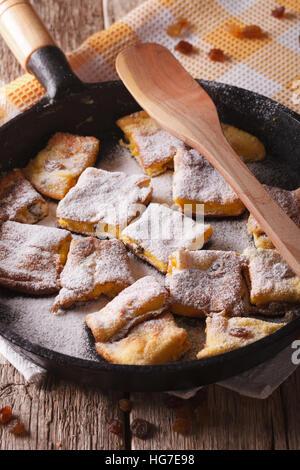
75	416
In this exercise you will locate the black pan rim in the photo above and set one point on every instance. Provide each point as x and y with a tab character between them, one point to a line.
288	331
64	359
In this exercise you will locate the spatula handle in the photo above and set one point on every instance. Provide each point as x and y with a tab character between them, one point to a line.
22	29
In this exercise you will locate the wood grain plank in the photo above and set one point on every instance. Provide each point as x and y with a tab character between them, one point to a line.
290	394
70	22
114	10
58	412
227	421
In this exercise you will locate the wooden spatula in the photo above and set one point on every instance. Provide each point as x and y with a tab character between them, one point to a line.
180	105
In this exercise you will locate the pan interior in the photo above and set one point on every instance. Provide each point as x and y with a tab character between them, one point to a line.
30	316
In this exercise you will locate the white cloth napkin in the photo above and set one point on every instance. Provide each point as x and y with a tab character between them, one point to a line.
259	382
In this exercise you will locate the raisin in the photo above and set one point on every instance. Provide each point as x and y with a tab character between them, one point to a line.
35	209
52	165
125	405
278	12
181	425
18	429
252	32
115	426
235	30
139	250
140	428
184	47
5	415
173	402
239	332
175	29
217	55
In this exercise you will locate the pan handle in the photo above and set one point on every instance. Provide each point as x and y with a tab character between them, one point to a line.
35	49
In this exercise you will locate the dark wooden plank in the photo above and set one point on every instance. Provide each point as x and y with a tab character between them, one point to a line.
227	421
58	414
290	394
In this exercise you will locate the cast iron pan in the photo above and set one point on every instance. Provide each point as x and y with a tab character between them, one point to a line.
92	109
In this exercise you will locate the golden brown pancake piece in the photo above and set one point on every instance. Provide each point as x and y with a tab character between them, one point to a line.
160	231
57	167
289	201
144	299
19	201
32	257
156	341
103	203
93	267
246	145
153	147
197	182
270	278
225	334
207	281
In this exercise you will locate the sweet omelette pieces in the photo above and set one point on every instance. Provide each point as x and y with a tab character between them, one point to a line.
153	147
103	203
160	231
135	327
207	281
197	182
246	145
57	167
32	257
19	201
144	299
289	201
93	267
155	341
270	278
225	334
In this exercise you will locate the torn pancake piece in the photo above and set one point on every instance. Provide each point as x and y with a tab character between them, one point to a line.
144	299
246	145
93	267
207	281
225	334
270	278
57	167
289	201
156	341
103	203
153	147
160	231
19	201
32	257
197	182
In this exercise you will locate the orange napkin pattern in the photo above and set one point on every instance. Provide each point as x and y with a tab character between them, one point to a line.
269	65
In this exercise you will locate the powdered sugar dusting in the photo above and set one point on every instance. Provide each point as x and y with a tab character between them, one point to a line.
93	263
195	179
271	278
30	317
160	231
29	259
208	281
16	194
144	299
98	192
